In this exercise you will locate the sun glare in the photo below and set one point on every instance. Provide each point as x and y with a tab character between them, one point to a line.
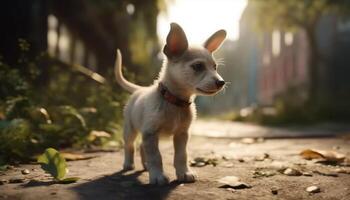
201	18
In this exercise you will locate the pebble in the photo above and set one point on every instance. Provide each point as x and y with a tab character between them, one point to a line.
25	171
274	190
313	189
231	190
200	164
3	181
10	167
341	170
292	172
307	174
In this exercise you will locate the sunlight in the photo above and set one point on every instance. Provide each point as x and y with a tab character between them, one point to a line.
200	19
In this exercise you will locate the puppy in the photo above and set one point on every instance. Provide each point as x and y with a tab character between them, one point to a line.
167	106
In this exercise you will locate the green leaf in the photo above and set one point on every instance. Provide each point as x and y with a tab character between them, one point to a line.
53	163
69	180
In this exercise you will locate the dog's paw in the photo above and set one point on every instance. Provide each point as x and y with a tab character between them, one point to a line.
186	177
158	179
128	167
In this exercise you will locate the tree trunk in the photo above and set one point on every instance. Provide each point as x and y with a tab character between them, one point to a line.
313	62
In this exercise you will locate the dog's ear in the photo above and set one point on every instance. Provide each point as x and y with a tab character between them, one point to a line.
215	41
176	42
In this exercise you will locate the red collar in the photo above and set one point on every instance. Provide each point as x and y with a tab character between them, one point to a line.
166	94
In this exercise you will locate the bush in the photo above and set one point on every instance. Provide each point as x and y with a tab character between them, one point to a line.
46	103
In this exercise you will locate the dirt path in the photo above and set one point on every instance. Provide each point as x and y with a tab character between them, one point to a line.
101	179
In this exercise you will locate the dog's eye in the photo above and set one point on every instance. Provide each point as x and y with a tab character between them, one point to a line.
198	67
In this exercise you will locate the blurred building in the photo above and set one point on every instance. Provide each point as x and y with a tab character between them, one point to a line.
276	62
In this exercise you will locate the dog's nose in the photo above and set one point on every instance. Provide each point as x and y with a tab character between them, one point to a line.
220	83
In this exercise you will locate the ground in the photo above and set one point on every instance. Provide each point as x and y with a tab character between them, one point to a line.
259	164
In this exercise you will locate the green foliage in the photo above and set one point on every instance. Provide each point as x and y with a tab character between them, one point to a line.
55	106
54	163
294	14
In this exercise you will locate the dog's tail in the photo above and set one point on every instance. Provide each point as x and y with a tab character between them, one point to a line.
131	87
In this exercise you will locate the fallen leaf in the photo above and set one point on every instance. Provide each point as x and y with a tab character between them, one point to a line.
263	173
232	182
252	140
74	157
69	180
100	134
333	156
53	163
325	173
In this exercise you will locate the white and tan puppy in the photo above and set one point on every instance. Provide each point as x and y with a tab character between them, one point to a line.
167	107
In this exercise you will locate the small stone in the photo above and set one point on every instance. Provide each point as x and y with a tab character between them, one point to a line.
231	190
341	170
200	164
240	160
53	193
292	172
10	167
262	157
228	165
313	189
274	190
3	181
258	173
307	174
16	180
25	171
248	140
336	147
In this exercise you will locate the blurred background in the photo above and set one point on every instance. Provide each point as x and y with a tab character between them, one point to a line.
287	63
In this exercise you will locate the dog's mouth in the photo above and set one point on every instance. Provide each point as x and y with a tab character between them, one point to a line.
207	91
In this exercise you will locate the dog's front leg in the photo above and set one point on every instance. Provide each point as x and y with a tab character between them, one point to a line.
183	171
150	142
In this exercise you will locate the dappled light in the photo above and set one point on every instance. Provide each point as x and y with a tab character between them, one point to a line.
175	99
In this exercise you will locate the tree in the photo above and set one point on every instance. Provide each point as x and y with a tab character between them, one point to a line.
300	14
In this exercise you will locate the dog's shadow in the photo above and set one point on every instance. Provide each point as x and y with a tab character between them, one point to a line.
122	185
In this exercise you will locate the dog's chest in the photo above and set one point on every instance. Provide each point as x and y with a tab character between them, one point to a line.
175	119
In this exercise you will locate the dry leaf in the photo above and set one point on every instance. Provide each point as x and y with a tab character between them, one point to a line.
252	140
332	156
100	134
233	182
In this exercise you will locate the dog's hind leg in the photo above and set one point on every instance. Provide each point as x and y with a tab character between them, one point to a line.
129	147
143	157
